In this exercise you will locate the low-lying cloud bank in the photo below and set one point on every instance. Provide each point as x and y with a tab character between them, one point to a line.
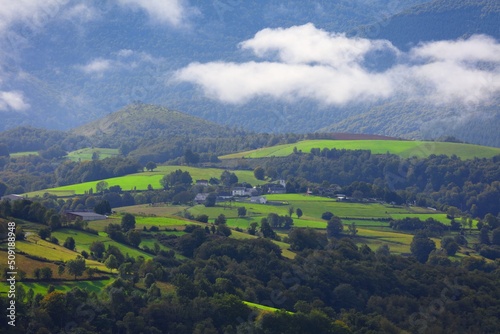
332	69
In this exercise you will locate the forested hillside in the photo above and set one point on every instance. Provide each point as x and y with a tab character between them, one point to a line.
440	20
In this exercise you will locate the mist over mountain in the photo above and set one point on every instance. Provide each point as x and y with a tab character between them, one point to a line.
292	66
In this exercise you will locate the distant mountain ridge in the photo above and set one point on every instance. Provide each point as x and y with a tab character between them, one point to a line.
439	20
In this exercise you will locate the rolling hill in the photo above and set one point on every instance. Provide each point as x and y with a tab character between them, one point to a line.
150	122
402	148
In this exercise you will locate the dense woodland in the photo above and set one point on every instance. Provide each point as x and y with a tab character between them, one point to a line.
332	286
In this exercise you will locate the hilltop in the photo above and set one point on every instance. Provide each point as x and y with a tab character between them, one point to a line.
150	122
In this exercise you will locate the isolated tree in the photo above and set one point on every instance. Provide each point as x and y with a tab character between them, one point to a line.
202	218
46	273
352	229
91	271
128	222
266	229
222	229
76	267
37	273
299	213
327	215
69	243
101	186
134	238
95	155
228	179
60	269
259	173
421	246
291	210
97	248
242	211
334	227
111	262
210	200
150	166
221	219
55	222
450	245
252	230
44	233
102	208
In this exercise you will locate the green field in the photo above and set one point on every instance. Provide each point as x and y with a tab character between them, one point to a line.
85	154
23	154
402	148
63	286
140	181
263	307
44	249
83	241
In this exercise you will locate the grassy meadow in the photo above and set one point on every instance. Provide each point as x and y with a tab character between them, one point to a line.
85	154
140	181
402	148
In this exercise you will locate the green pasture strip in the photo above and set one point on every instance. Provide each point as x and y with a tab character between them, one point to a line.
100	225
85	154
298	197
51	252
140	181
152	210
404	149
23	154
441	217
161	222
28	265
84	240
263	307
365	223
62	286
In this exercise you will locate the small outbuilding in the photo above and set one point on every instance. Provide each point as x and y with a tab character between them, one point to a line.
84	215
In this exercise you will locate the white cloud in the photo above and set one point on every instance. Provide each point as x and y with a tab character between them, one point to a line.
173	12
306	62
12	100
125	53
97	66
34	14
476	48
124	59
306	44
237	83
81	12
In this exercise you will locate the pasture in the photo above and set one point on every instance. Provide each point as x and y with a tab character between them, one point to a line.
140	181
402	148
23	154
62	286
85	154
84	240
